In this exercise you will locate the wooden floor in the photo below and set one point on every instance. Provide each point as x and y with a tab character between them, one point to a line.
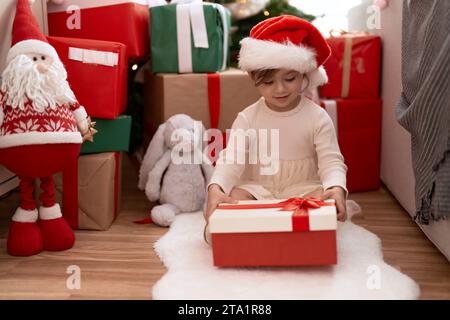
120	263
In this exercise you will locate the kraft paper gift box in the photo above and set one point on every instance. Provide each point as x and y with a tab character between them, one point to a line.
191	37
112	135
354	67
8	180
213	99
95	203
292	232
358	127
124	21
97	72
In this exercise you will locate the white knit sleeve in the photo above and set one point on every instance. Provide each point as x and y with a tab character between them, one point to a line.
232	160
332	169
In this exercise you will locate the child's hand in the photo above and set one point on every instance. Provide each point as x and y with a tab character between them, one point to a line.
338	194
215	196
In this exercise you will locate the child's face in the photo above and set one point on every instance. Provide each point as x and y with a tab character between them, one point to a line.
282	90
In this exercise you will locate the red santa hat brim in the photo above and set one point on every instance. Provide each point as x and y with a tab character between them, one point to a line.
31	46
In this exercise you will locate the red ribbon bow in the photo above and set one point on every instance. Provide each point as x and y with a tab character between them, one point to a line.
301	204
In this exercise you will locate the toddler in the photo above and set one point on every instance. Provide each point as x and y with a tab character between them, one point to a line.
284	145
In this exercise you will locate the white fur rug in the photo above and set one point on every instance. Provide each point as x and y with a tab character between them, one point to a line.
360	273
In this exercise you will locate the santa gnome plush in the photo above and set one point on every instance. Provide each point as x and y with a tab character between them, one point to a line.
42	127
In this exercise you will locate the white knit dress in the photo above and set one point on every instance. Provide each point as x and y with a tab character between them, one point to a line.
308	161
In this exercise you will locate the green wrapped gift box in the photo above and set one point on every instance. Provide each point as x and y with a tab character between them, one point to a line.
113	135
188	38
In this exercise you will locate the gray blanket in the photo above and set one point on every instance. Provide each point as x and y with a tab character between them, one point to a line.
424	106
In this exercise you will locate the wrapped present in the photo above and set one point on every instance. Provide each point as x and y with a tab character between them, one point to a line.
8	180
112	135
292	232
97	72
214	99
172	48
124	21
358	126
354	67
95	203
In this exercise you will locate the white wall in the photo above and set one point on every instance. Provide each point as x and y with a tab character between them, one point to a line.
396	166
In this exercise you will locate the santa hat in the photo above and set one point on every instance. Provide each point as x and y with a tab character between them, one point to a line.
286	42
26	35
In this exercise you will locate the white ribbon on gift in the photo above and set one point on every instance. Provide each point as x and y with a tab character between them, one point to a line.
190	16
104	58
331	108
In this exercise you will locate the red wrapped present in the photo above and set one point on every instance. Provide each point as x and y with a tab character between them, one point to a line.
358	126
124	21
354	67
97	72
292	232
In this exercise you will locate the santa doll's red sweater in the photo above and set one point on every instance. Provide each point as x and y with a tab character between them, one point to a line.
30	127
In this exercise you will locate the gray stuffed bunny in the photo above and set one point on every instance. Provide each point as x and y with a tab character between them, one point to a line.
179	187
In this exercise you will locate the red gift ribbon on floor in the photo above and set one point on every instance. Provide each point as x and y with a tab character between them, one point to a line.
144	221
300	206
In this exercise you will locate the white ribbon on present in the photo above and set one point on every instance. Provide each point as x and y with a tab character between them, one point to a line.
104	58
331	108
190	16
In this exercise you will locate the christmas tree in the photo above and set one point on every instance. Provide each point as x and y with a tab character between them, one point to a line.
244	17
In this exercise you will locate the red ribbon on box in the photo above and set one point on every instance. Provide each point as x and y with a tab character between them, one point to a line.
300	206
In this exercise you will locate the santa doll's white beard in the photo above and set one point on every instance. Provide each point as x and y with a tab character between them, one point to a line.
22	82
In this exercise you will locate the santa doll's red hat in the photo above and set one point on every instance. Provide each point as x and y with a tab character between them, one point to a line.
26	35
286	42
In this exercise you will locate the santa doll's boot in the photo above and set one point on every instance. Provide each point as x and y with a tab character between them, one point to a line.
57	235
24	237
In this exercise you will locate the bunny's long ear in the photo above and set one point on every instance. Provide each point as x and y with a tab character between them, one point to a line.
154	152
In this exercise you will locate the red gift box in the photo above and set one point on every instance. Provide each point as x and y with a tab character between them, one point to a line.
292	232
354	67
358	126
121	21
97	72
